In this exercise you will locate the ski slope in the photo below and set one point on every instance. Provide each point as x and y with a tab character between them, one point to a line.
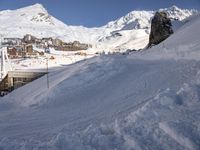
147	100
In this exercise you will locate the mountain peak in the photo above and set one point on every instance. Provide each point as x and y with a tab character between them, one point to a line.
174	8
37	5
36	13
34	8
138	19
175	12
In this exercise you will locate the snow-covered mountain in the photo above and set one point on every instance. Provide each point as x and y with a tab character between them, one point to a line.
133	29
142	19
35	20
128	32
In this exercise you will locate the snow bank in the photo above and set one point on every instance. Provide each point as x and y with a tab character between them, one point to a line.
160	122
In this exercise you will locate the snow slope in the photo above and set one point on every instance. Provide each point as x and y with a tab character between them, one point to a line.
184	44
37	21
112	102
135	28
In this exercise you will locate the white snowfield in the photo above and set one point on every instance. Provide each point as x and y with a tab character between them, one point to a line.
145	101
130	31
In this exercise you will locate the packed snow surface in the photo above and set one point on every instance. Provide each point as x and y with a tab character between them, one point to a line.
147	100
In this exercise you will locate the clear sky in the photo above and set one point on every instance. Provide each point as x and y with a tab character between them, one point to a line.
91	13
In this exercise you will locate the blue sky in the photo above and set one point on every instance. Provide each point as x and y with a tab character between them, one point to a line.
91	13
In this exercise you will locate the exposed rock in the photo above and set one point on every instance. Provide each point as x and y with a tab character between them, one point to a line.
161	28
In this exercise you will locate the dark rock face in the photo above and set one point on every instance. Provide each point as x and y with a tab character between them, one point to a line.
161	28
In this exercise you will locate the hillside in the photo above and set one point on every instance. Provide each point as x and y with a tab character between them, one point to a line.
146	100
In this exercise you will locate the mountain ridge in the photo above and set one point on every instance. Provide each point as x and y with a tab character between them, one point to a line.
36	20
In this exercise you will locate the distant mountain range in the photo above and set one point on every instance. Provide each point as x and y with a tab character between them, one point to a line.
128	32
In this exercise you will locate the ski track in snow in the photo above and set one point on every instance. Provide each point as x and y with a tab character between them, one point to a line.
185	142
60	119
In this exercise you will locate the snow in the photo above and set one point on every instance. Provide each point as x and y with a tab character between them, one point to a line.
104	103
177	45
54	59
177	13
146	100
185	142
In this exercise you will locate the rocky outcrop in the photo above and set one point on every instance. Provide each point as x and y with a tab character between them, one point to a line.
161	28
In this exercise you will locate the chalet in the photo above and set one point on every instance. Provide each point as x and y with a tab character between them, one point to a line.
12	52
29	49
16	51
